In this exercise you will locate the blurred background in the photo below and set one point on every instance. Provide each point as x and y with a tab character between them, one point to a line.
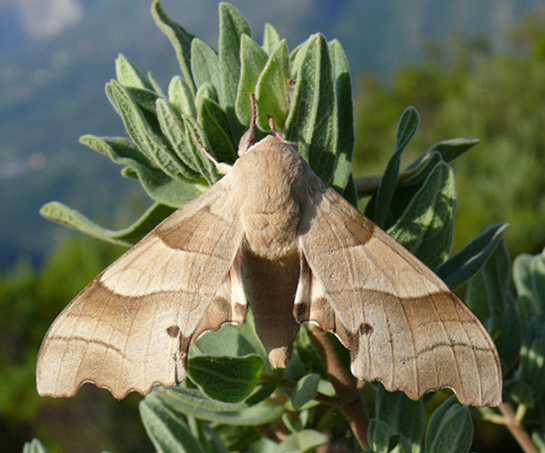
472	69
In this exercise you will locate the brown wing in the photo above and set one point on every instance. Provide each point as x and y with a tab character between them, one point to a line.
131	327
402	324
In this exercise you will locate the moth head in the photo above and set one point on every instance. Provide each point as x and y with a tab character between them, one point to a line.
247	141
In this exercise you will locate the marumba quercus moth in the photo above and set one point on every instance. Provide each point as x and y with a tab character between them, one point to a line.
273	234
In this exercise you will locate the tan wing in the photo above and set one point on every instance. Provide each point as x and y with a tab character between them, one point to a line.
131	327
402	324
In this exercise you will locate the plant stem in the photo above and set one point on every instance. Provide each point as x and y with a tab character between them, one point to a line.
345	385
275	431
516	429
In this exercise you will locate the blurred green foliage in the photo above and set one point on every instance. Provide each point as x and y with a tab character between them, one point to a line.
466	90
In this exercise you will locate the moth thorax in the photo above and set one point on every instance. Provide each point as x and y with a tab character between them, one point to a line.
272	234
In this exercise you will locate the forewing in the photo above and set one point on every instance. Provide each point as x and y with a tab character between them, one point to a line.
131	327
402	324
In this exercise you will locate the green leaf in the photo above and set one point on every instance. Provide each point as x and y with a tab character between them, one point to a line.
304	441
227	379
207	91
159	186
34	446
215	124
378	435
193	402
426	228
413	179
232	27
468	261
306	353
177	129
166	429
145	99
173	129
345	116
529	305
529	276
156	87
247	330
181	98
450	429
121	151
178	37
305	391
449	150
522	393
488	291
243	439
212	440
409	183
399	444
129	75
538	438
205	65
252	59
489	297
196	399
402	415
71	218
532	362
296	56
270	38
312	120
272	90
509	340
229	341
205	167
408	125
350	192
142	133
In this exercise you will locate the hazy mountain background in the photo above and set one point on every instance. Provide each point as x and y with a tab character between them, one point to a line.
56	55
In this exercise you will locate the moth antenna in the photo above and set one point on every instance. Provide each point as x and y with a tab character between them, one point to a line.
248	139
274	131
222	168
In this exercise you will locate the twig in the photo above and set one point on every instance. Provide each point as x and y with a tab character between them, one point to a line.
275	431
345	385
516	429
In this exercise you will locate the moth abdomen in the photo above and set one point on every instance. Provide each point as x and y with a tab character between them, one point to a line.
271	286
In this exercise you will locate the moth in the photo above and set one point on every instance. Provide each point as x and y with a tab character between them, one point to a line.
273	233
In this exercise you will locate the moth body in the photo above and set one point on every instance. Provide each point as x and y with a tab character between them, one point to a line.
272	185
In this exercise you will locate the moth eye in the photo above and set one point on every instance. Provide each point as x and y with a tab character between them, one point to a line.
366	329
173	331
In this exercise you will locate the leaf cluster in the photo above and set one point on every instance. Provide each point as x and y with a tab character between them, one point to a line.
232	399
307	92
